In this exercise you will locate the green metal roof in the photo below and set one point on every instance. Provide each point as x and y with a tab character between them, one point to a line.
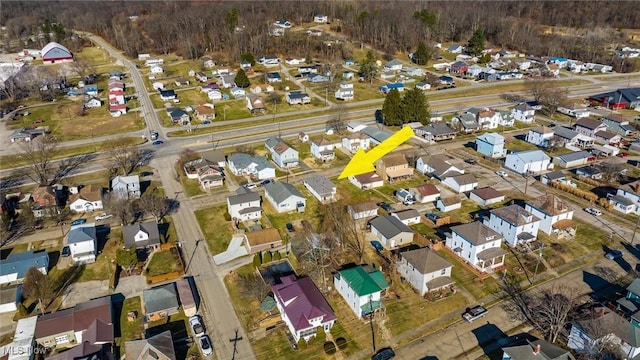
364	281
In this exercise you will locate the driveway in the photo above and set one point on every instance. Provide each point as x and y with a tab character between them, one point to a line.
234	251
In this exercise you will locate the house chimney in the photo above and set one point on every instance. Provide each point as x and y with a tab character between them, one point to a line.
601	311
536	350
636	187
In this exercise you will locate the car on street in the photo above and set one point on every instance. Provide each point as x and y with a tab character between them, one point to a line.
205	345
471	161
384	354
78	222
502	173
154	135
474	313
614	254
377	245
158	142
206	122
592	211
386	207
265	182
65	251
290	227
251	186
623	154
196	326
103	216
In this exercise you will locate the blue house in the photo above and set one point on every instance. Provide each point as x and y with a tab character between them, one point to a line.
349	62
15	266
388	87
490	145
273	77
630	304
91	90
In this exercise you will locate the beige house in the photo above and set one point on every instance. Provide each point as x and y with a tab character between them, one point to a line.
263	240
394	167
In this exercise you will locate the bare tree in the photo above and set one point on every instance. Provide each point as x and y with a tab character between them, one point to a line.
342	228
82	67
338	121
121	207
538	87
39	154
253	286
38	286
156	205
124	155
594	323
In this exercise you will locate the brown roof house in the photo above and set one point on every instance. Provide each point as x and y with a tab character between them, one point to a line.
44	202
393	168
88	199
263	240
425	270
205	112
85	328
486	196
368	180
556	215
363	210
158	347
425	193
449	203
160	302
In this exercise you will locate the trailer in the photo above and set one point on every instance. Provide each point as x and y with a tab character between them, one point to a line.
186	297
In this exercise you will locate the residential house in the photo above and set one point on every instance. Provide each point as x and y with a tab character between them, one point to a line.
486	118
345	91
540	136
322	149
10	297
388	87
627	98
377	136
284	197
126	186
477	245
281	153
436	131
486	196
607	138
28	133
590	172
459	67
273	77
238	93
302	307
179	116
88	199
320	18
141	235
84	328
393	65
297	97
514	223
588	126
261	88
573	159
455	49
438	166
425	193
370	180
524	113
391	231
321	187
491	145
630	191
414	71
214	95
574	110
83	243
269	60
423	85
619	124
425	270
558	176
15	266
449	203
167	95
293	61
245	205
535	350
263	240
506	118
93	102
160	302
208	173
181	81
407	216
362	288
465	123
622	204
255	104
205	112
285	24
227	81
257	167
156	69
628	305
563	136
318	78
202	77
363	210
157	347
303	137
554	213
45	202
91	90
393	168
355	141
461	183
527	162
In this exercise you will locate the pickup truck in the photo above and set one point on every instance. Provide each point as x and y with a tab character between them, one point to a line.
474	313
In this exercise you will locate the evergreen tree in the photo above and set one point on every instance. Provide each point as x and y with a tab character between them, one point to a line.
391	109
421	55
476	43
414	107
249	58
369	68
241	79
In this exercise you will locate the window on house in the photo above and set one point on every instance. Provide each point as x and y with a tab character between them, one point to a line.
443	271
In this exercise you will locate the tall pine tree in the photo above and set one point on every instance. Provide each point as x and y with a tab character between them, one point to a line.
391	109
476	43
414	107
241	79
421	55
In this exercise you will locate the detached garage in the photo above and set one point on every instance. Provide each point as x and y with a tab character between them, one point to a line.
55	53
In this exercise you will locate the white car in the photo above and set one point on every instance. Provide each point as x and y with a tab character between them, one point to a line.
196	326
205	345
251	186
592	211
502	173
103	216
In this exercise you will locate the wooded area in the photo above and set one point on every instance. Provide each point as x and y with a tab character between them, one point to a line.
229	29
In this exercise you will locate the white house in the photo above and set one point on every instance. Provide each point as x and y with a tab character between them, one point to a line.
284	197
281	153
345	91
407	216
539	136
461	183
574	109
214	94
356	140
157	69
589	127
320	18
514	223
425	193
88	199
321	187
258	167
322	149
302	307
93	102
622	204
554	213
83	243
486	196
363	210
630	191
393	65
370	180
391	231
126	186
297	97
477	245
244	206
448	203
425	270
524	113
362	288
526	162
438	166
141	235
491	145
487	118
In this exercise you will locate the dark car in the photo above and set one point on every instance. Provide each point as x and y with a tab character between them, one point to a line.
290	227
376	245
379	117
432	216
158	142
38	225
65	251
614	254
384	354
265	182
386	207
206	122
470	161
78	222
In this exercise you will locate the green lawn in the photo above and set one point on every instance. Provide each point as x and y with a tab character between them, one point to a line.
467	279
131	330
424	230
163	262
216	230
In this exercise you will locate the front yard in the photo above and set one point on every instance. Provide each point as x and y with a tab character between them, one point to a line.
215	227
164	262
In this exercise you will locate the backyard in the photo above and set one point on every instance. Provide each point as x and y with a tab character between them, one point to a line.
131	329
164	262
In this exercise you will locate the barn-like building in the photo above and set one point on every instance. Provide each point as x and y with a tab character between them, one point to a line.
55	53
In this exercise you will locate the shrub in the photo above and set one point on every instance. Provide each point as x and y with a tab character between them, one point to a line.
321	336
277	256
227	217
257	261
266	258
589	196
329	348
342	343
22	310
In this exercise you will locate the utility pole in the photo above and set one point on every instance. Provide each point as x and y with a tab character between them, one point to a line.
535	272
235	340
373	335
635	229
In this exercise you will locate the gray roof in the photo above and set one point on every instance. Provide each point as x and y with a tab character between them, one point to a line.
161	343
438	129
280	191
441	164
320	184
160	298
407	214
476	233
548	351
131	179
515	215
531	155
214	156
425	260
554	175
464	179
243	198
468	121
81	233
242	160
21	262
564	132
576	155
492	138
389	226
150	227
377	134
634	287
11	294
271	142
621	200
588	123
615	324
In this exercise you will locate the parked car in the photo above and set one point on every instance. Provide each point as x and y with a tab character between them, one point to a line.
154	135
614	254
158	142
78	222
65	251
592	211
290	227
196	326
206	122
502	173
205	345
386	207
623	154
432	216
251	186
384	354
265	182
474	313
103	216
377	245
471	161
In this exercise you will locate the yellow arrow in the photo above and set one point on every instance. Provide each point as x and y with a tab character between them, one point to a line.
362	162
